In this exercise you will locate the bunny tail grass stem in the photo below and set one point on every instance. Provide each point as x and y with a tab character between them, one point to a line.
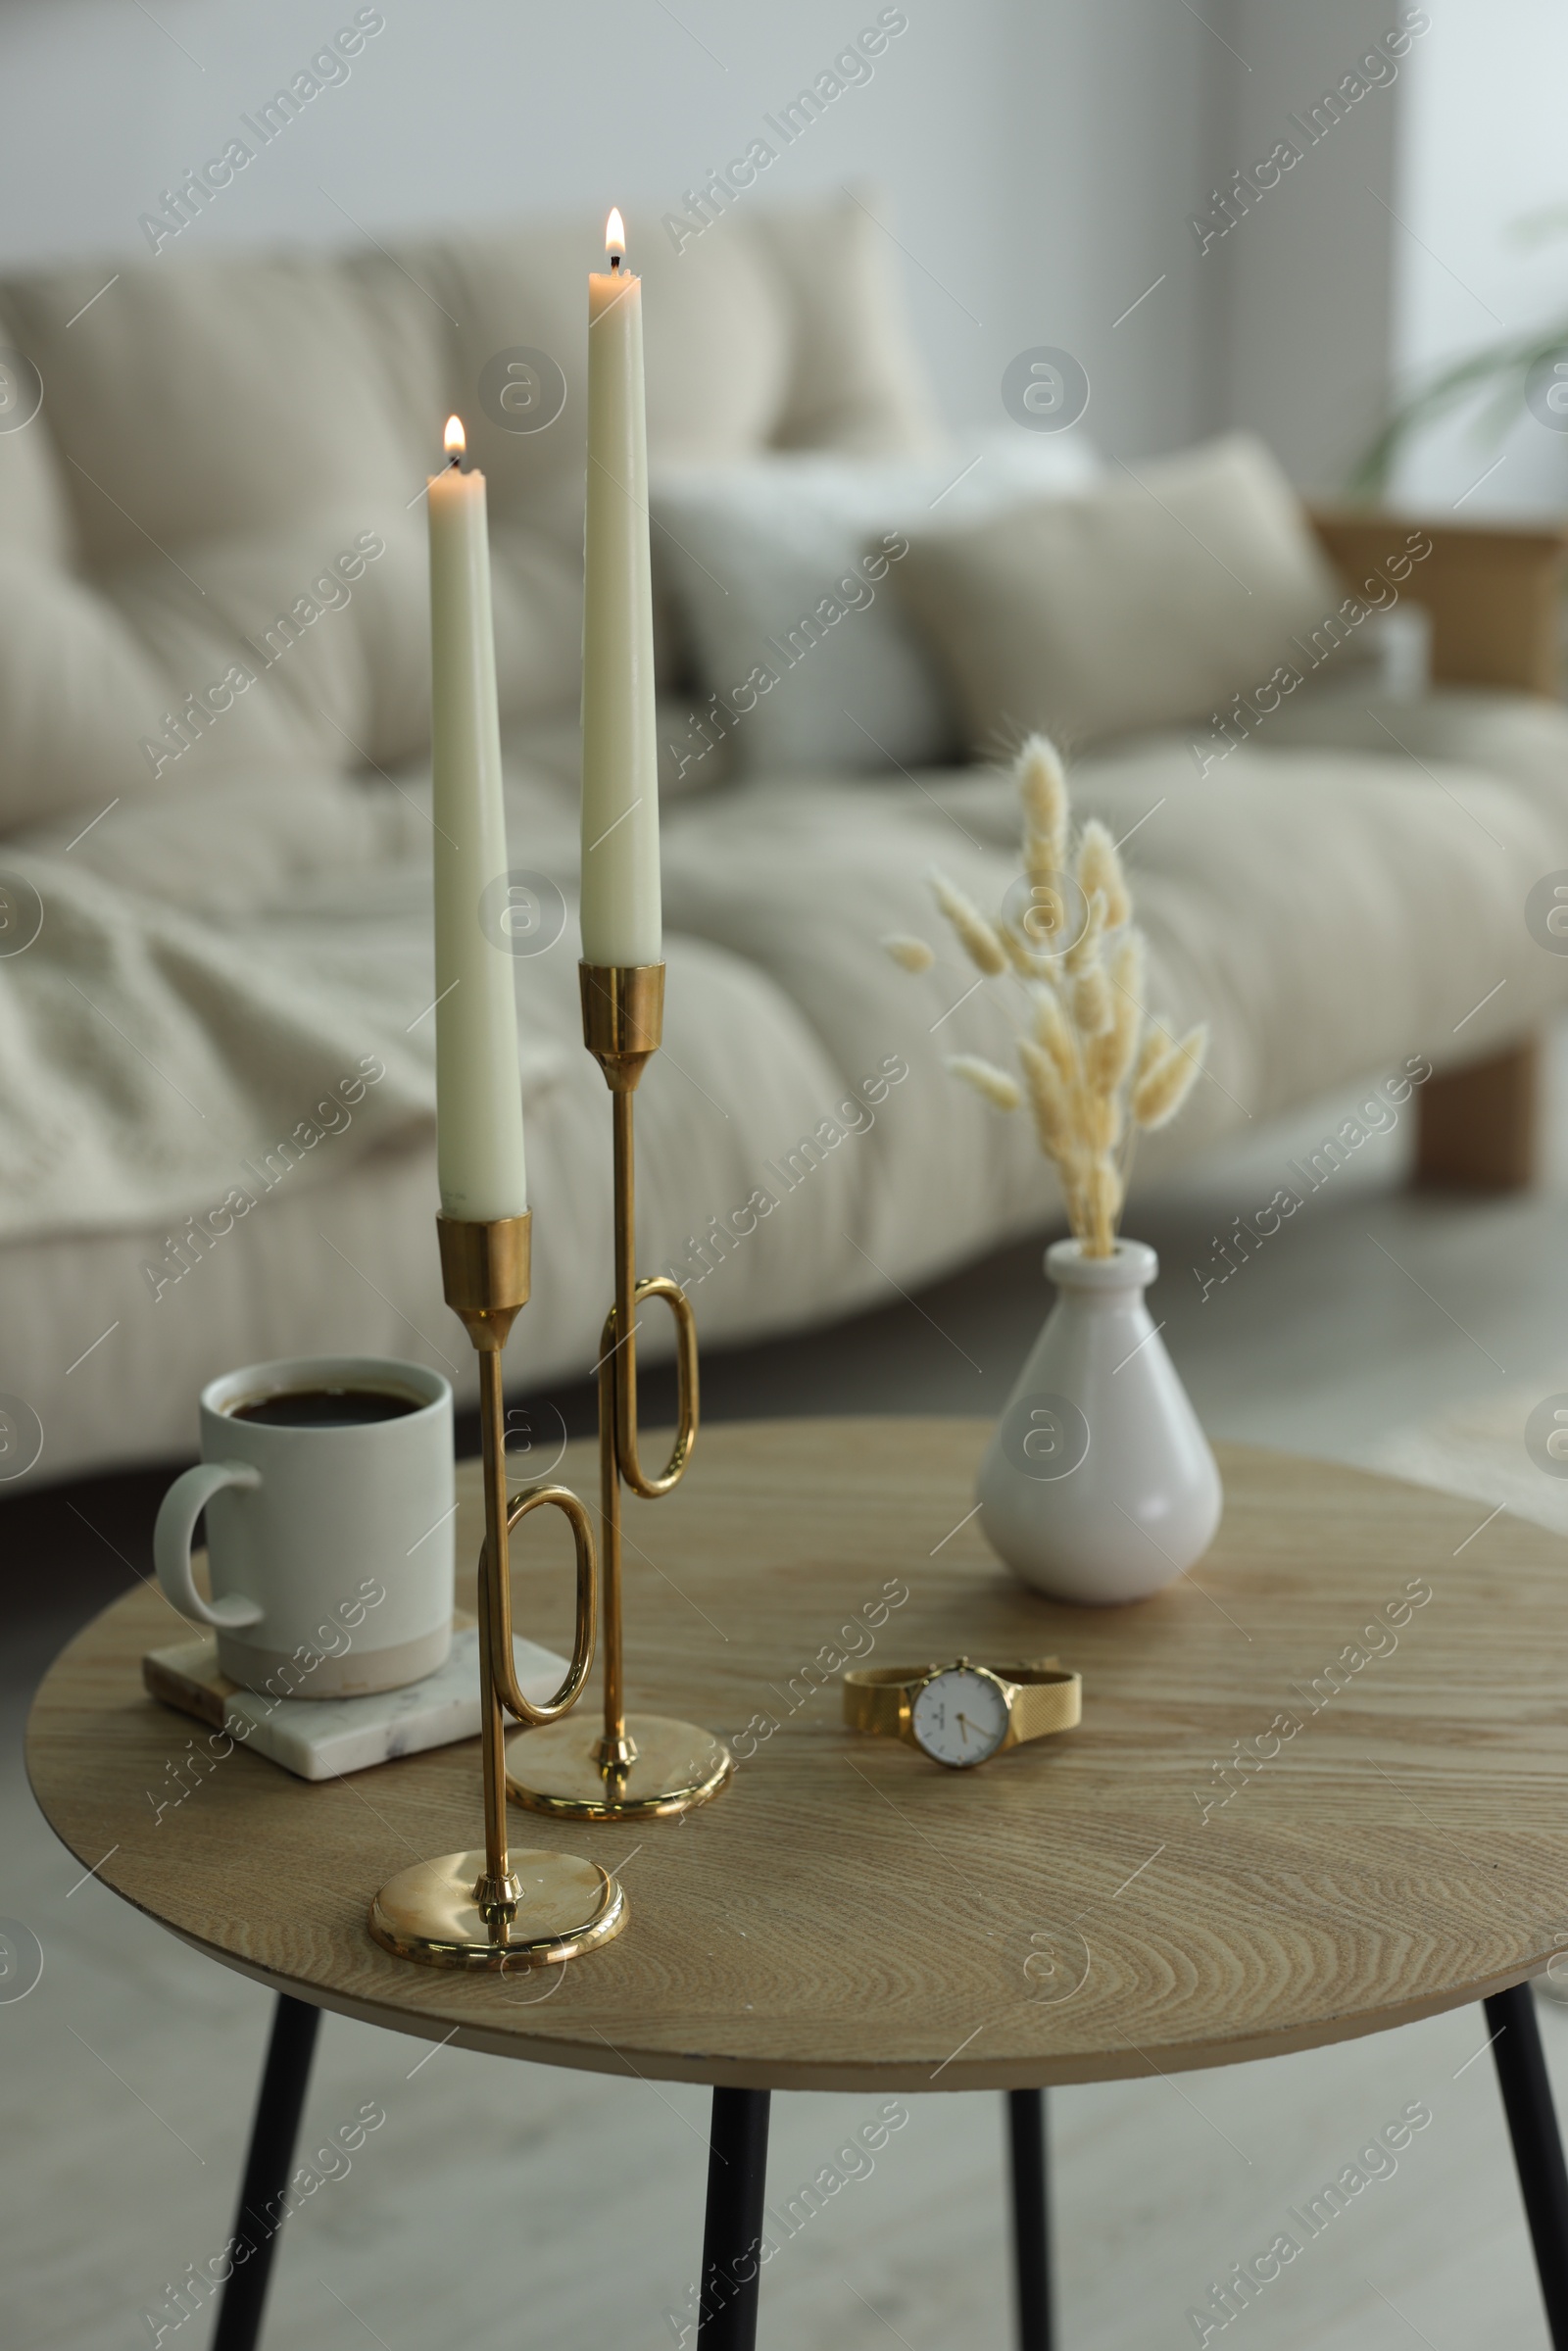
974	933
1097	1070
908	953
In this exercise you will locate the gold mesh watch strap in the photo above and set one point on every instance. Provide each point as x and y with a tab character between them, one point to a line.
877	1697
1047	1696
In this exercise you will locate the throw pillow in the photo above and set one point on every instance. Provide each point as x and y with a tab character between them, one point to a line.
1147	600
780	564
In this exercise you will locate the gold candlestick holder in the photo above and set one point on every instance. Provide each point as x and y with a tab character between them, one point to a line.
481	1909
640	1764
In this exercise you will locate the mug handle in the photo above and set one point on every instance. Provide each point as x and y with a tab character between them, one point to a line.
177	1513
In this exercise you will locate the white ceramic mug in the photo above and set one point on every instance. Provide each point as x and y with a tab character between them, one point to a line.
331	1548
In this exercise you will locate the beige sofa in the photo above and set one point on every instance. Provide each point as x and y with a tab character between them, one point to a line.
232	891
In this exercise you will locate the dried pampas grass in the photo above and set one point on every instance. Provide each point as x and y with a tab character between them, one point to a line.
975	934
1097	1070
1169	1079
1092	1005
986	1078
1099	868
1043	790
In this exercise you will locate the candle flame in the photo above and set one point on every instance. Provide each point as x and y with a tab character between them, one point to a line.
455	440
615	231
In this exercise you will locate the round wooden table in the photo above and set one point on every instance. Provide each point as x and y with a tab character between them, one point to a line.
1320	1788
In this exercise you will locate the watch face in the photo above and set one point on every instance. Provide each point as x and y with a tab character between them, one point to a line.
959	1717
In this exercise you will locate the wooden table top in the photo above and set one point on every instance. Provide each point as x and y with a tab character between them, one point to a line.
1391	1837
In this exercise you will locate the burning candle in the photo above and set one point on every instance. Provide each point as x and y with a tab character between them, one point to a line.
621	895
479	1149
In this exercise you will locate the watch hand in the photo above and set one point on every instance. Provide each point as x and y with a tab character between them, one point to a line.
963	1720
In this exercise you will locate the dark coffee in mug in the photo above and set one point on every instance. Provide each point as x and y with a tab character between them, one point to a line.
325	1407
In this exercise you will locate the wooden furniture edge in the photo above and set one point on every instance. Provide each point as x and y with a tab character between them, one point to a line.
1494	593
1375	523
598	2056
1478	1128
1494	596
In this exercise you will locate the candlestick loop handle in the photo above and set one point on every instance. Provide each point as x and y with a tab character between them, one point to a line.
656	1285
496	1615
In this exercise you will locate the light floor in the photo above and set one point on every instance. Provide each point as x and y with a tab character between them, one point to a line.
509	2206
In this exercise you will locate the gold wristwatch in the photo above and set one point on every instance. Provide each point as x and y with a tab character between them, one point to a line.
962	1714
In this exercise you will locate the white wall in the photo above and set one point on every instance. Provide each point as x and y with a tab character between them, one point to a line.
1484	148
1041	155
1109	122
1306	273
1042	158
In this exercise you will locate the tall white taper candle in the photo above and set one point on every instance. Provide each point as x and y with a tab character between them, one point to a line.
621	901
479	1149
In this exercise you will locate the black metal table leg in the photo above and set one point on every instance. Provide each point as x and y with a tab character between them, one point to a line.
732	2233
1536	2145
278	2106
1031	2217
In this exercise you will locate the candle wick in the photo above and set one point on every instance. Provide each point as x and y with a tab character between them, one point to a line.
614	263
454	462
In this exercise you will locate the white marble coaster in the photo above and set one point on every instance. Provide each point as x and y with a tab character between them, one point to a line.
321	1739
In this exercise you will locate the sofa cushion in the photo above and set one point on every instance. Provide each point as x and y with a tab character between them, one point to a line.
217	429
203	398
1148	600
76	689
856	378
35	511
1331	911
1519	737
781	568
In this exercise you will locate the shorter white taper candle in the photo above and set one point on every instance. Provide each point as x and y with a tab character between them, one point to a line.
479	1149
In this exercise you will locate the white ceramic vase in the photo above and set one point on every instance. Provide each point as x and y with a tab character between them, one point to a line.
1098	1485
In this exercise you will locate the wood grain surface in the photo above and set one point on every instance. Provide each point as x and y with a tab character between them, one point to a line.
848	1914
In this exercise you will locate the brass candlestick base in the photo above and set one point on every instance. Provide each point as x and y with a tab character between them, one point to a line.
672	1766
483	1909
429	1912
643	1764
